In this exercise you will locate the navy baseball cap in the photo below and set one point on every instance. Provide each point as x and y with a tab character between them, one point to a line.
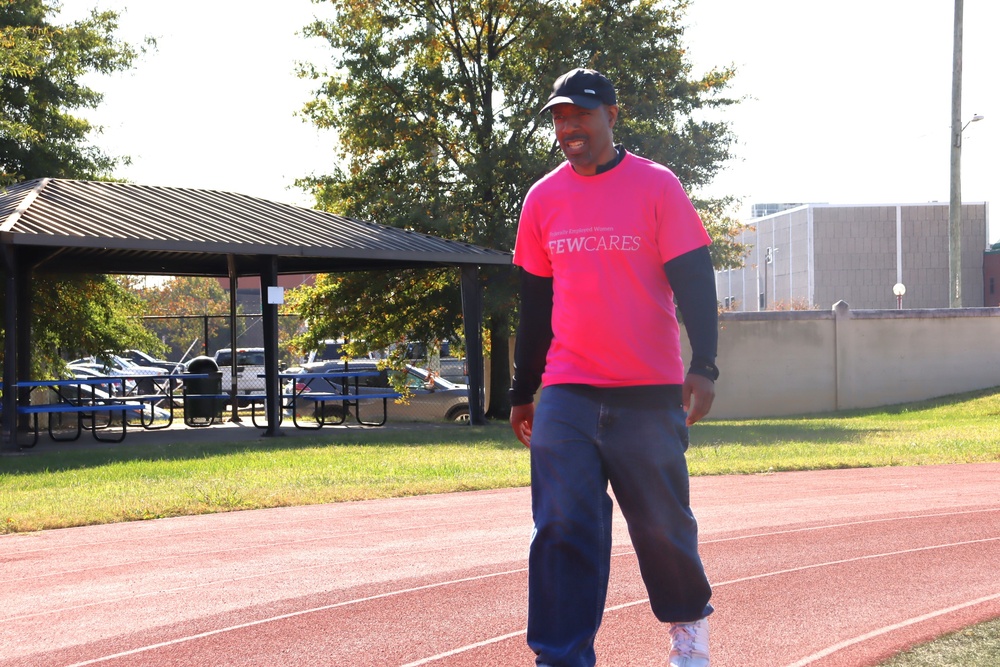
583	87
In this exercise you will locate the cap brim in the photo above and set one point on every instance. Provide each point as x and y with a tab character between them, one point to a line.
584	101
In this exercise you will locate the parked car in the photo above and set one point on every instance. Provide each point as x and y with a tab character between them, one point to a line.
451	368
330	350
455	369
430	398
333	350
87	371
140	358
114	364
249	369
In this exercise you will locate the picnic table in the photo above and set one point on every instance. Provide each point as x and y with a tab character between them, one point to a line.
83	405
108	394
161	390
341	387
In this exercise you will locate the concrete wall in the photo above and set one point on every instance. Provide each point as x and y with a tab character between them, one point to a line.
795	362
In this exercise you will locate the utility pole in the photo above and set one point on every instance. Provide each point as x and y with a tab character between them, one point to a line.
955	202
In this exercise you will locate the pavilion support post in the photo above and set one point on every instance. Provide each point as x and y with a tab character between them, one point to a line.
8	442
233	389
269	310
25	309
472	314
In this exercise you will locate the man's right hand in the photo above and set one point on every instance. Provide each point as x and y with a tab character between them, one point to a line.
521	419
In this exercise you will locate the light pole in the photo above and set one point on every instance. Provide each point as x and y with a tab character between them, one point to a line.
955	200
955	217
768	259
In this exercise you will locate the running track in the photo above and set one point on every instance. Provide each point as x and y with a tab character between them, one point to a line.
827	569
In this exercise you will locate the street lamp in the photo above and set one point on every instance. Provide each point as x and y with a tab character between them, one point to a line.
978	117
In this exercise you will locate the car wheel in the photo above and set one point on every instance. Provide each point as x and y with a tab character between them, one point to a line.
459	415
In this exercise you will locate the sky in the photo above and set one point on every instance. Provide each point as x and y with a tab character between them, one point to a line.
844	102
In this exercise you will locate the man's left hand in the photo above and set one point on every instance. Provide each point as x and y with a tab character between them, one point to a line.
699	392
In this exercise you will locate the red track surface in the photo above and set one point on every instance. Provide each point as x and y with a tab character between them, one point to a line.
827	569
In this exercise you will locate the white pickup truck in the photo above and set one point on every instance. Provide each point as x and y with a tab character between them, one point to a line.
249	368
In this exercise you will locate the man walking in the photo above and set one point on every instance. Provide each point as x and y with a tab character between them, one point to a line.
606	242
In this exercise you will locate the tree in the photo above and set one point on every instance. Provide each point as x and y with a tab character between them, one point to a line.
41	68
178	301
435	105
75	316
421	302
190	315
41	87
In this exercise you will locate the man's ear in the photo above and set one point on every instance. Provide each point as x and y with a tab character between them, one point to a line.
612	114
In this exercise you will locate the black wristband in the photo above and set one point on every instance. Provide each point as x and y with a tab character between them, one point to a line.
705	369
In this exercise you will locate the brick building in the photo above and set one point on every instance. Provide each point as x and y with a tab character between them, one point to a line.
991	277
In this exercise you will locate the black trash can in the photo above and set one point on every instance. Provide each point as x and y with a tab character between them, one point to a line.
202	410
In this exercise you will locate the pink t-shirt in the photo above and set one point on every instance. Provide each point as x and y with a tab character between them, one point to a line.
603	240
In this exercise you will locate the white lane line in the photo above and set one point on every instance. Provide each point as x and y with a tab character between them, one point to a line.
219	583
891	628
222	582
463	649
909	517
323	537
856	559
815	566
625	605
340	535
301	612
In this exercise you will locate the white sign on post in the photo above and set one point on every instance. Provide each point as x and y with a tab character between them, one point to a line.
275	296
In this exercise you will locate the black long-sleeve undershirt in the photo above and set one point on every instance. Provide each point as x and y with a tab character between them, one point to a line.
692	279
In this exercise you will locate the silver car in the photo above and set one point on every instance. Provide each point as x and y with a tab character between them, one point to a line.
430	398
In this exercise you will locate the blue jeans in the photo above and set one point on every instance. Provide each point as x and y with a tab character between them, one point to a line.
583	438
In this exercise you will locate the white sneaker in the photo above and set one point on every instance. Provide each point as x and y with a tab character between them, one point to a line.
689	644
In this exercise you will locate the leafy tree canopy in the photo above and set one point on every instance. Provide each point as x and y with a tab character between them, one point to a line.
435	105
345	307
42	65
177	301
74	316
190	314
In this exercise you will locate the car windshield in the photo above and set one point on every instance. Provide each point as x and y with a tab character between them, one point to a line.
417	377
243	358
249	358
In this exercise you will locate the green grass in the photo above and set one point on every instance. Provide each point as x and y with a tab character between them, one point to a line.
958	429
131	482
978	646
80	486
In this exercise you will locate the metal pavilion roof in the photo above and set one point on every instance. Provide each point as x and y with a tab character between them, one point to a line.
102	227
